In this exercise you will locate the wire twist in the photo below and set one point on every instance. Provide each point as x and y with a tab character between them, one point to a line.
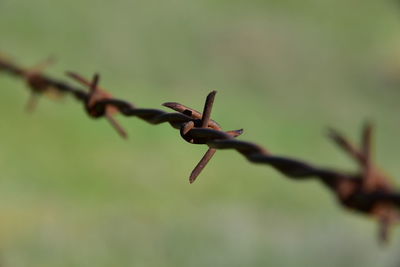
369	191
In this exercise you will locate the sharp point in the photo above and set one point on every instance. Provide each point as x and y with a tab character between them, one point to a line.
124	135
192	178
95	82
236	133
212	93
96	77
368	126
169	104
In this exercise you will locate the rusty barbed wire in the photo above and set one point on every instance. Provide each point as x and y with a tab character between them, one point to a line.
368	192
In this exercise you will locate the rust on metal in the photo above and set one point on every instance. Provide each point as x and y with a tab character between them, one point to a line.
368	191
97	94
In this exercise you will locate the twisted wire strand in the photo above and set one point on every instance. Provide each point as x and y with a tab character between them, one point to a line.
347	187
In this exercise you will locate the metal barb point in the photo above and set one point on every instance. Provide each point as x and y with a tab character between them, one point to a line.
204	123
94	83
120	130
207	109
202	163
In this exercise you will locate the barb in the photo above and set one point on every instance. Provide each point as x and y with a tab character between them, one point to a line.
369	191
205	120
95	95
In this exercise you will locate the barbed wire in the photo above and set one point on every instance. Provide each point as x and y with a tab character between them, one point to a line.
369	191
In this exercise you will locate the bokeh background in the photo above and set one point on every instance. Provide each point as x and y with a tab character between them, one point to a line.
72	193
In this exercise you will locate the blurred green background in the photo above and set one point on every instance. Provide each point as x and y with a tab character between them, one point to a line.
72	193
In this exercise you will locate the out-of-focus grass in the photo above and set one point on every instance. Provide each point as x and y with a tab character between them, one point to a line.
73	194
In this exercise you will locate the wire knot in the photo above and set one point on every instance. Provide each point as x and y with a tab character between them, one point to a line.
200	123
96	104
